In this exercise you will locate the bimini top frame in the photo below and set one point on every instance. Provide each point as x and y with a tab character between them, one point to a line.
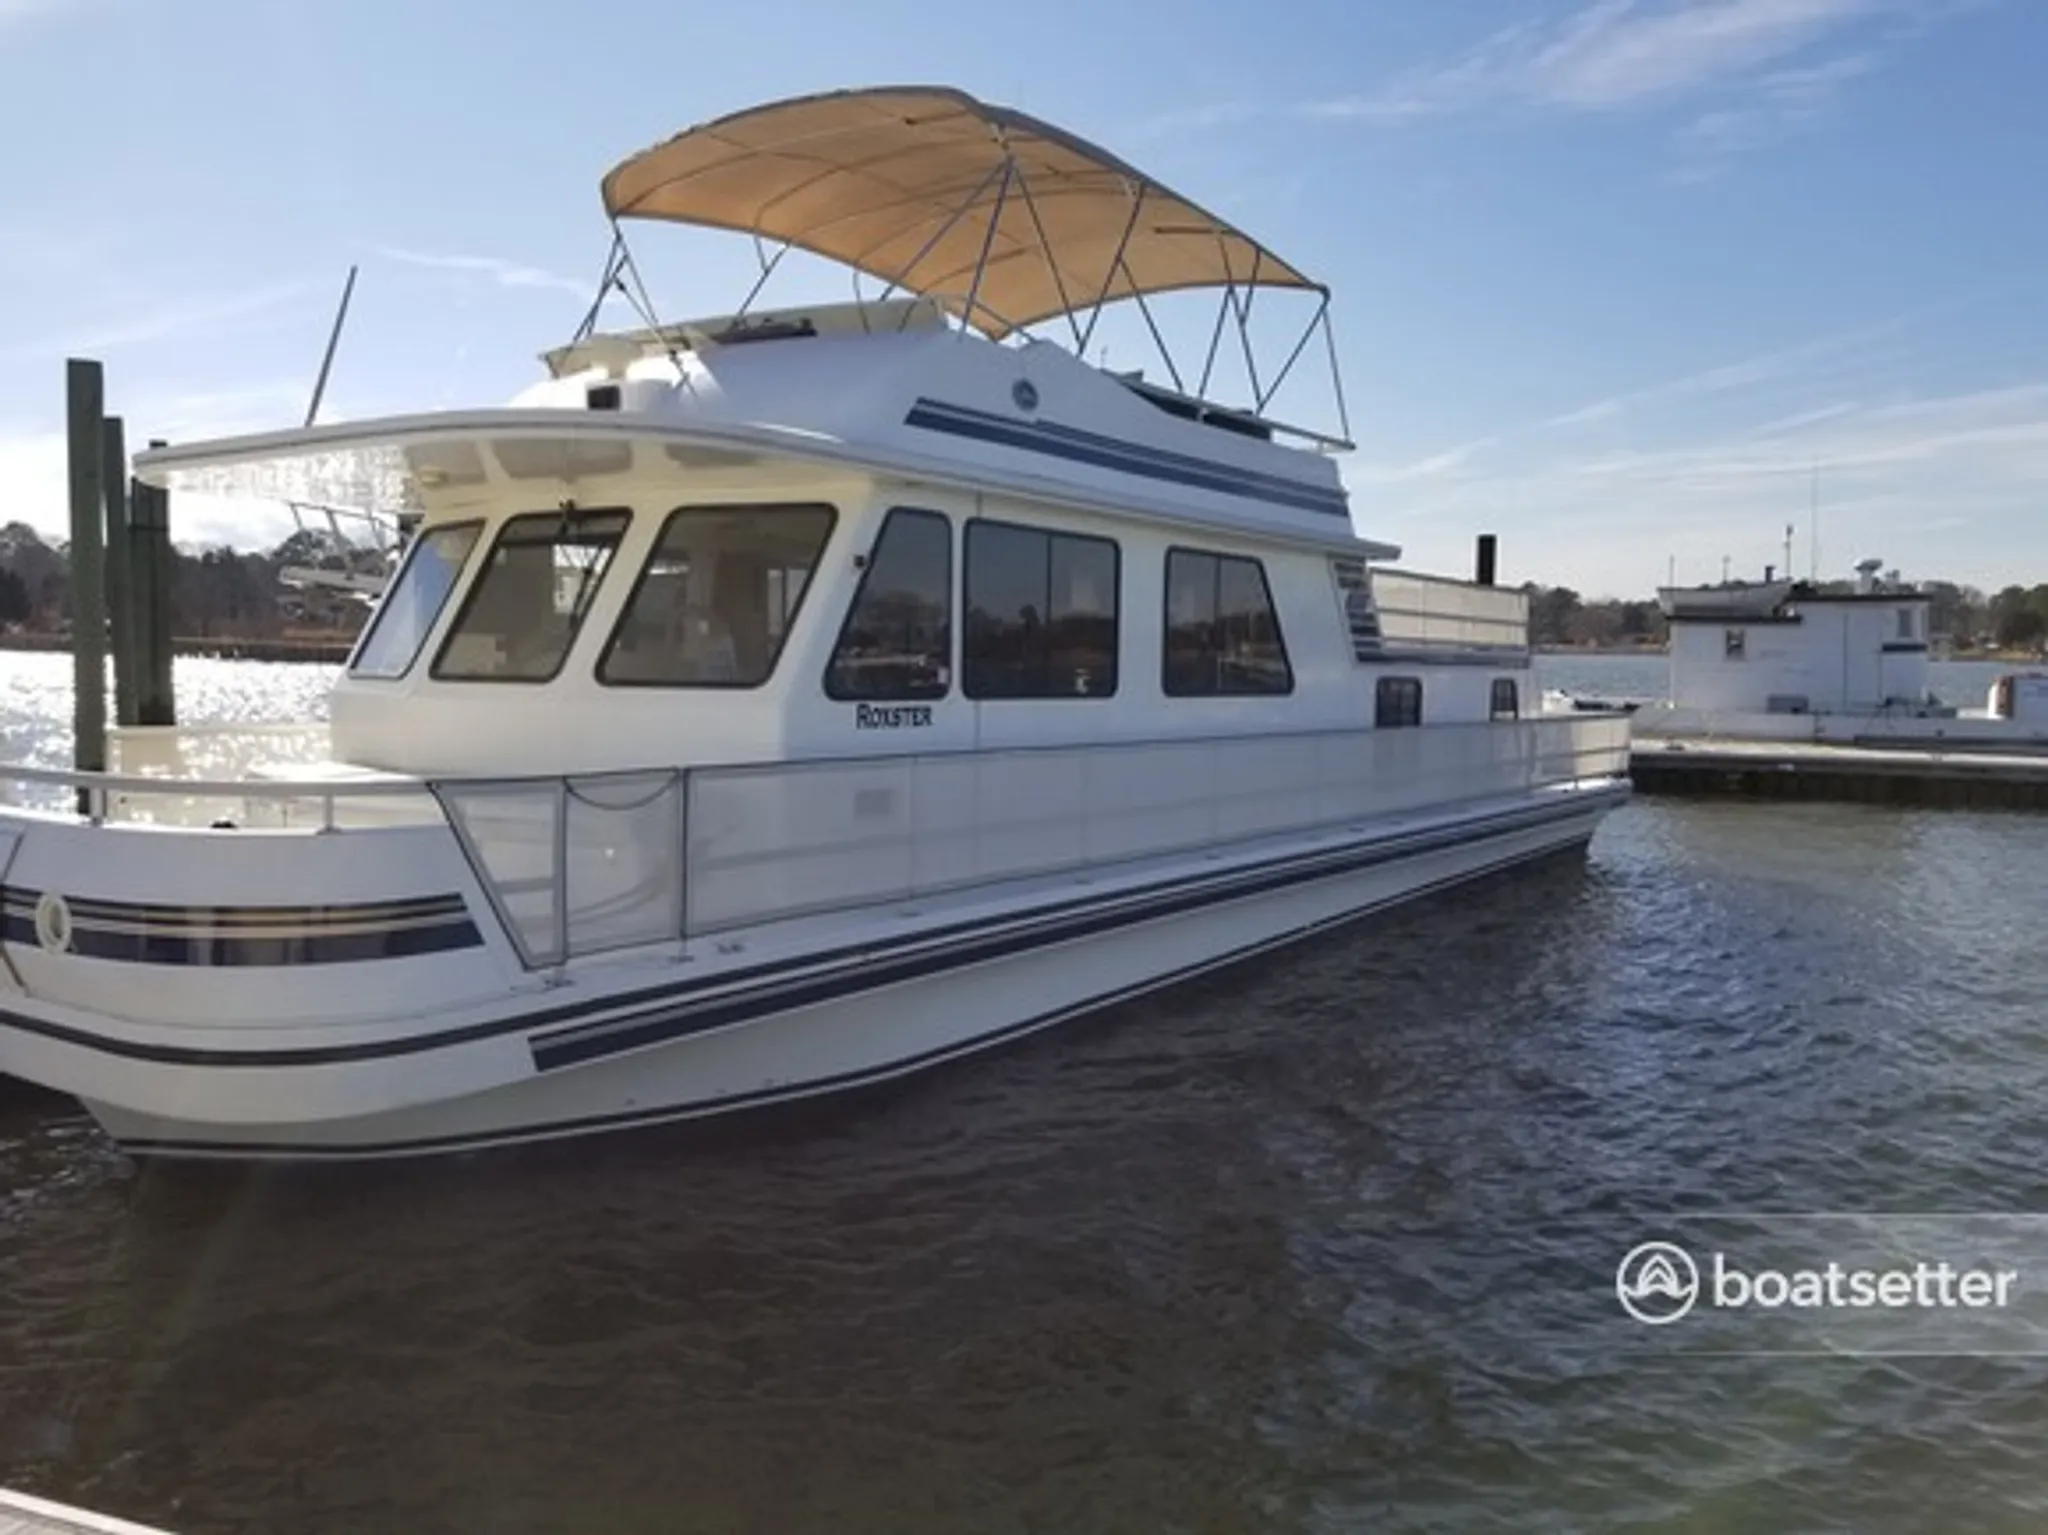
1001	219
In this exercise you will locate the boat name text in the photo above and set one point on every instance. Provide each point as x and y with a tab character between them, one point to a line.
895	717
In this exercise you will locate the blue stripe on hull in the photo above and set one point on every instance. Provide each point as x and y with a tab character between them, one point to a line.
1078	446
628	1119
681	1007
590	1042
147	933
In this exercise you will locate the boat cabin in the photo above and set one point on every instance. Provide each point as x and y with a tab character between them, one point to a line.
1782	647
901	524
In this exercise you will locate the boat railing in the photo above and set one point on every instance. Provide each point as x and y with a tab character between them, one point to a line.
584	864
122	798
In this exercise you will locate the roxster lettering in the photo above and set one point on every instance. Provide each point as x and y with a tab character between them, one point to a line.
891	717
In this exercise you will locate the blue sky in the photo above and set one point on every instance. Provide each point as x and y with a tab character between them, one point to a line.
1611	278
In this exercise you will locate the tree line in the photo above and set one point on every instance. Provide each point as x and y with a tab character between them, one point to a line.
220	592
2015	618
216	593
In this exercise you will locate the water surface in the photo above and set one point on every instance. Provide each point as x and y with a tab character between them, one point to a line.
1322	1243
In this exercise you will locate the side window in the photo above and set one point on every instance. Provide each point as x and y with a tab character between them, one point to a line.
1905	623
1734	642
408	610
1041	613
528	603
716	598
897	641
1222	632
1506	704
1397	702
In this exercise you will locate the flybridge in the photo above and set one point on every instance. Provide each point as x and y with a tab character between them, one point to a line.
990	219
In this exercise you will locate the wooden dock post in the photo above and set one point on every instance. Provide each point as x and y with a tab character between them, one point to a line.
85	400
149	573
120	587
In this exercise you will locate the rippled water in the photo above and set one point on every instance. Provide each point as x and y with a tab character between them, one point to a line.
1324	1243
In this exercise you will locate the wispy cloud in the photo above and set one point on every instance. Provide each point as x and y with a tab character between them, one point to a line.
1937	484
1781	104
493	269
161	321
1615	54
1751	71
1745	374
13	11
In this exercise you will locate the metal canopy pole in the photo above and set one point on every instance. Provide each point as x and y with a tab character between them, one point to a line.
768	266
1288	366
1116	263
1336	377
1051	266
943	230
1215	338
1157	340
988	242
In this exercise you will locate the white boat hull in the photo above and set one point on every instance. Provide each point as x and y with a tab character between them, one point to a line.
870	1034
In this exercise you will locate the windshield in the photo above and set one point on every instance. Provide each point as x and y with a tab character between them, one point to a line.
409	610
528	602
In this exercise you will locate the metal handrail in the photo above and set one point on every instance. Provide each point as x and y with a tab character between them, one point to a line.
97	790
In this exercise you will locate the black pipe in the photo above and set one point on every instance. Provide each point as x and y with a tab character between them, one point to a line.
1487	546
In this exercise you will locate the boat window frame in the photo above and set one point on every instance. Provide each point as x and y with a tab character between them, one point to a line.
1166	687
640	576
1496	713
866	565
1395	716
475	524
476	585
1116	598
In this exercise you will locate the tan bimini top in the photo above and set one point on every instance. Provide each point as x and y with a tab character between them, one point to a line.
902	183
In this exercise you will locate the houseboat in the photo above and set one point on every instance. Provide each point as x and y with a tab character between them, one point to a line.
1789	661
783	701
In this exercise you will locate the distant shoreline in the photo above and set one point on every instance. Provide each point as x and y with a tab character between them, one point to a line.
321	651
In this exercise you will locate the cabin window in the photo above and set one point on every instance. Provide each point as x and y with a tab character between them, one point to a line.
1222	633
1397	702
528	602
1041	613
409	610
715	600
1905	623
1734	642
1506	703
897	641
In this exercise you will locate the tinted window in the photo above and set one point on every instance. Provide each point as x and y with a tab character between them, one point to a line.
1222	633
897	641
528	602
1506	702
1397	702
411	604
715	601
1041	613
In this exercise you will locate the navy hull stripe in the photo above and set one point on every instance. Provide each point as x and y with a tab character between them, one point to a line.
771	986
226	947
571	1047
344	914
760	1097
1078	446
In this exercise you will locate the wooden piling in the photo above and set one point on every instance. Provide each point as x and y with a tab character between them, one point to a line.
149	572
120	587
85	400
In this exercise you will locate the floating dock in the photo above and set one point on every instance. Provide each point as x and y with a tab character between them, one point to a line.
1894	775
21	1514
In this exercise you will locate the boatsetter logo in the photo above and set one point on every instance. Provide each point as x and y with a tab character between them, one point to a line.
1659	1283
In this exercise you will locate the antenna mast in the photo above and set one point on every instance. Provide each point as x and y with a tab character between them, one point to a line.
1813	528
333	339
